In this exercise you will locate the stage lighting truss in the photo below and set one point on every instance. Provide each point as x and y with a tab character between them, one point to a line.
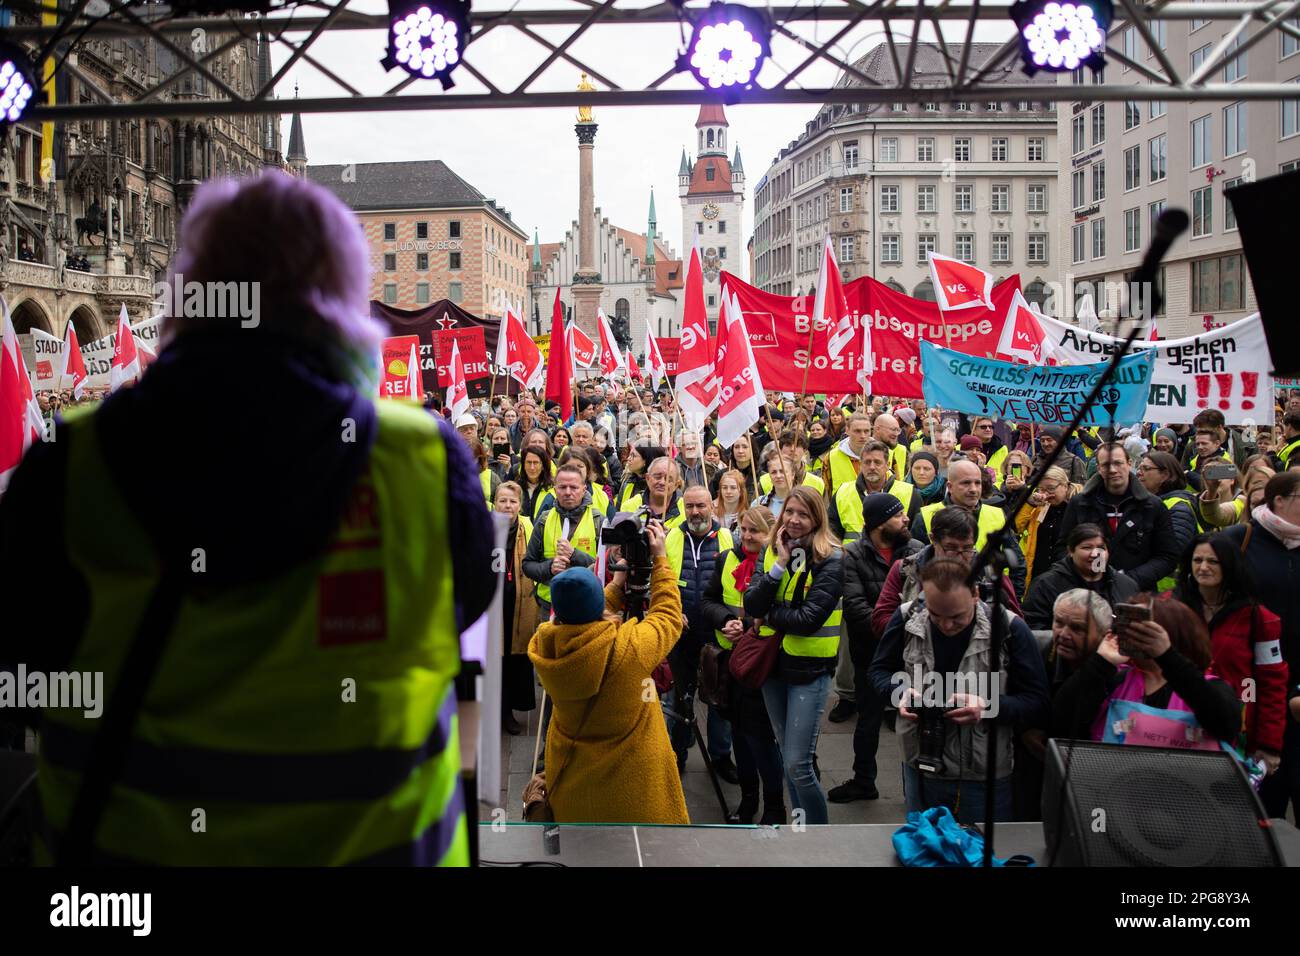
427	37
1061	37
570	38
729	43
17	84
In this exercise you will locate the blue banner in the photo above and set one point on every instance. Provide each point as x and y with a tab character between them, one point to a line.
1037	394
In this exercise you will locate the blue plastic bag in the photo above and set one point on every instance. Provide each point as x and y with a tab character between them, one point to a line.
933	837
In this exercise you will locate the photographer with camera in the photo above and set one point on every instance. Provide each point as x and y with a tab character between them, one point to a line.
608	759
934	664
798	596
565	534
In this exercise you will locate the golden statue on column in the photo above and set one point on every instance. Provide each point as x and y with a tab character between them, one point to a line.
584	112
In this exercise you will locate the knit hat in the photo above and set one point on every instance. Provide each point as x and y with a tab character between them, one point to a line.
905	415
577	597
1167	433
971	443
877	509
1053	432
932	458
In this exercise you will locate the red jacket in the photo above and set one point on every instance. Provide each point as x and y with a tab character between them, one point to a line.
1247	654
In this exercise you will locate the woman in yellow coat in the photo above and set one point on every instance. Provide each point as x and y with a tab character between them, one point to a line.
621	767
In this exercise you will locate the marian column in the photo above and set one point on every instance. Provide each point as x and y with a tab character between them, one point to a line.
586	281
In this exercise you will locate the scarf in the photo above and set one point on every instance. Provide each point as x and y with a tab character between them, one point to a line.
934	490
820	446
1278	527
744	571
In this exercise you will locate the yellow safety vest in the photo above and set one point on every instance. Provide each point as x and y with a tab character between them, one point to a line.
540	502
989	519
842	468
599	498
1169	581
809	479
898	461
675	547
732	598
312	717
485	479
849	505
1284	456
825	641
670	521
1191	465
585	538
995	464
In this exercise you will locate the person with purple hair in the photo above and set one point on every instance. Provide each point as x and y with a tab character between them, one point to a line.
255	553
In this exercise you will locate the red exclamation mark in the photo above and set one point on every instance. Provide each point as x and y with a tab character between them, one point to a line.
1249	387
1225	388
1202	391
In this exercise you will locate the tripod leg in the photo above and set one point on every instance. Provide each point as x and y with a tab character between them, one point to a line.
708	763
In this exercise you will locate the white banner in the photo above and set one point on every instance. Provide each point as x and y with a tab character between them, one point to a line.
1227	369
42	353
98	355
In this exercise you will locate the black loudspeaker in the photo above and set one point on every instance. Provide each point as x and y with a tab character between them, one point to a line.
1266	212
1111	805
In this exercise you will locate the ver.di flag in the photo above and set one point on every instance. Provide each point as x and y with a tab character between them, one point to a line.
611	359
740	391
517	352
126	365
1023	337
72	365
21	421
697	392
655	367
958	285
559	372
830	307
458	390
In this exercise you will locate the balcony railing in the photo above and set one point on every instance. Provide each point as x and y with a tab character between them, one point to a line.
38	274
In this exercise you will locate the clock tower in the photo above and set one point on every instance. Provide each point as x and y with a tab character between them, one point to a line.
712	191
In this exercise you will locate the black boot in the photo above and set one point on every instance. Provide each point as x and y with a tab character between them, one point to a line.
744	813
773	809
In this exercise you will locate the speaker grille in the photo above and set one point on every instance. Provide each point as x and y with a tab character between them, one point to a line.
1161	807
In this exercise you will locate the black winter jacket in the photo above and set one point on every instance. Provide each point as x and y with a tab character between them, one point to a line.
865	571
1143	546
1113	588
695	577
803	616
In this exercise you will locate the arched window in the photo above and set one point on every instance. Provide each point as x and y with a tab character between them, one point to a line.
896	286
924	291
710	139
722	140
1036	293
622	310
701	149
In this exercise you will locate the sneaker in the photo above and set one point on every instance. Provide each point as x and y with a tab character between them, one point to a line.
842	711
853	790
725	769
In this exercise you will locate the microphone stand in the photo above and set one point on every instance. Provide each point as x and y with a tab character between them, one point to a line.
995	553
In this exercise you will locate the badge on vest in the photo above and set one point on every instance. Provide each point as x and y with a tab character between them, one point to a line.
353	608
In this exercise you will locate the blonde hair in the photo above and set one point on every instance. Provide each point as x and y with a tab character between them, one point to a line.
759	516
512	487
739	479
822	542
1016	456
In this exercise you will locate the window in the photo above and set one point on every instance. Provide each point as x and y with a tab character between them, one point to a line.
453	261
1158	33
722	252
699	225
1158	108
846	199
1098	125
709	173
891	249
1198	57
1000	198
889	149
1132	230
1037	194
1099	238
1217	284
453	229
993	107
1290	117
390	262
846	248
1037	149
1078	131
1289	167
722	227
1153	213
963	198
1132	114
390	232
1196	25
851	155
925	199
421	262
1132	168
1235	68
1202	211
925	149
422	293
390	293
1229	217
964	249
1130	43
1234	129
961	149
889	199
931	107
1201	149
1290	45
456	292
1078	236
999	149
1156	159
1001	247
421	230
1099	181
1077	187
961	107
1037	251
925	244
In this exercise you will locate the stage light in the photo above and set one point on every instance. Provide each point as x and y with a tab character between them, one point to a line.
426	37
728	46
1061	37
17	84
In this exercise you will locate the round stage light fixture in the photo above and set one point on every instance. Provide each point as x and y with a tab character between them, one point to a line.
1061	37
728	45
427	37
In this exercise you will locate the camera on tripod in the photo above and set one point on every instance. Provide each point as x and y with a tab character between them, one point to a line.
626	530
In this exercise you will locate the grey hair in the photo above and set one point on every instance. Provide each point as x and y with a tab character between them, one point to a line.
582	426
1090	603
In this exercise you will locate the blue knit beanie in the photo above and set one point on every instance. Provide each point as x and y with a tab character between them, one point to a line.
577	597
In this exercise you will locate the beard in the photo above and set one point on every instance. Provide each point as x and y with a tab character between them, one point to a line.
899	537
702	526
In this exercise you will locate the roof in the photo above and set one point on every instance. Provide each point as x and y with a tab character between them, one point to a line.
736	163
418	184
685	168
549	251
700	184
296	148
668	275
930	67
711	114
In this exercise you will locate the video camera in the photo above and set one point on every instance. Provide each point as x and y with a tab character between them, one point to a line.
626	530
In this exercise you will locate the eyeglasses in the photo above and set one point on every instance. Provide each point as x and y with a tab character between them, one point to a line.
982	427
958	553
1143	469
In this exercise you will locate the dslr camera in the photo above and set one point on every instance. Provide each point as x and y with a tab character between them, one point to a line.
626	530
931	730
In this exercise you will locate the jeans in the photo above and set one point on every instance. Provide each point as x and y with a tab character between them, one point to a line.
866	733
796	711
965	798
758	757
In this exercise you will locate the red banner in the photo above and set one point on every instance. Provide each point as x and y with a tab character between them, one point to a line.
473	353
671	349
779	331
397	356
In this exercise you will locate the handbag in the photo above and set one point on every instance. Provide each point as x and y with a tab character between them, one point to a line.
753	658
714	679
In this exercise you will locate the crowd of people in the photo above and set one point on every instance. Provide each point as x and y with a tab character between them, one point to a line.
847	532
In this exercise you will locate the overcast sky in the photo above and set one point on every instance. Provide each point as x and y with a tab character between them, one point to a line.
526	159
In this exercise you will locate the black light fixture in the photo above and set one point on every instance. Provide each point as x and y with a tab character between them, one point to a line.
17	84
1062	37
427	37
728	45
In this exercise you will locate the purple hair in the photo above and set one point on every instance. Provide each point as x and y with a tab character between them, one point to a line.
304	248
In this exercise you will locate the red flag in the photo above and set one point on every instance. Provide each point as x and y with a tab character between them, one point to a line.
654	360
697	391
1023	337
958	285
831	307
73	364
21	421
458	390
611	358
633	370
582	348
740	395
519	353
126	359
559	376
